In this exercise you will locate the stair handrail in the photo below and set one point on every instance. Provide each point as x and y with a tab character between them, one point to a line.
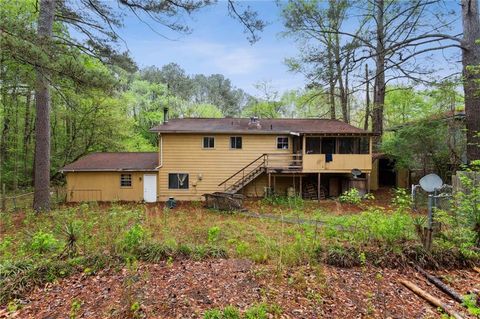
245	167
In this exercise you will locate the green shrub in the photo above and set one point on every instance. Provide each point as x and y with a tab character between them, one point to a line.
352	196
470	302
402	200
43	242
259	311
230	312
6	247
467	204
213	234
212	314
133	238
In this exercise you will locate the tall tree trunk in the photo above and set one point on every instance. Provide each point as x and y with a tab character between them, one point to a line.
41	201
5	130
15	139
26	136
367	98
331	78
339	77
3	97
379	96
471	76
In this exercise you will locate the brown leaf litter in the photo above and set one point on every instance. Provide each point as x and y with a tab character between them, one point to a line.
186	288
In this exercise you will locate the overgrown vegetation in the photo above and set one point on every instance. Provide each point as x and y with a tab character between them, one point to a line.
35	249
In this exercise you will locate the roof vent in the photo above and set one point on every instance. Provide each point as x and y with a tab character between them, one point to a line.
254	122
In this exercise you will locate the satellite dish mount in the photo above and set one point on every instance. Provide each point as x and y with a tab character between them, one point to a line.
356	172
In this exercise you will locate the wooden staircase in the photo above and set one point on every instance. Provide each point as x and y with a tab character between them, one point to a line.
265	163
245	175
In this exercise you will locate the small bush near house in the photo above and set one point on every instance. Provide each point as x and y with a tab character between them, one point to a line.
351	196
402	200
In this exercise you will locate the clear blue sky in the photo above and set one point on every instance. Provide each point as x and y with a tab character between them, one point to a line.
218	44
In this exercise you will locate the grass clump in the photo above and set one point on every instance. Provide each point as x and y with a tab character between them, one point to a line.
257	311
292	202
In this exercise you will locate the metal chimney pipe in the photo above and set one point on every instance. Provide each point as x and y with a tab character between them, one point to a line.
165	115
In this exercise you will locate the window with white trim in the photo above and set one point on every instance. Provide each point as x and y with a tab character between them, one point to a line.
178	181
282	143
125	180
208	142
235	142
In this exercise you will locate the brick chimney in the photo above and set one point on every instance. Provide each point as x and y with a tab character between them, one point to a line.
254	123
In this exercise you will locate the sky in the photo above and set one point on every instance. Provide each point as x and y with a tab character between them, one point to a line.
217	44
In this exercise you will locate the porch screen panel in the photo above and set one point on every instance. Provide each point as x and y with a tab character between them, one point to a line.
313	145
328	145
347	145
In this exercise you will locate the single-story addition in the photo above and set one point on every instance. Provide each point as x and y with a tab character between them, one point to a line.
117	176
312	158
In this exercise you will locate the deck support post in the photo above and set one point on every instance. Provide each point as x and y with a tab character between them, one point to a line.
368	182
318	188
269	184
274	183
300	187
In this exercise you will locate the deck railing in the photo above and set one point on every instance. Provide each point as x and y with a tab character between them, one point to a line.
240	175
285	162
270	162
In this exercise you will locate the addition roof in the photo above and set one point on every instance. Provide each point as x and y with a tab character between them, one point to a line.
114	161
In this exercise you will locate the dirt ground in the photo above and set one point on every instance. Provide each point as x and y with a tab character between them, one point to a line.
186	288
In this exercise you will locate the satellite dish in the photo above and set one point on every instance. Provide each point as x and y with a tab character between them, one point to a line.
431	182
356	172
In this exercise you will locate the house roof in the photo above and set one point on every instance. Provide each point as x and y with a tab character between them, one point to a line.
266	126
118	161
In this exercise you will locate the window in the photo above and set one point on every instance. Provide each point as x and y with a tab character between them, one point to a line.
313	145
126	180
328	145
282	143
178	181
235	142
208	142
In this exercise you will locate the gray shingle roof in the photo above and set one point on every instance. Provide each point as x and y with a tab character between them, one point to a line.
118	161
267	126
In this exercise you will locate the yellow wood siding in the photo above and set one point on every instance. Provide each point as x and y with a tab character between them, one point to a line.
103	186
184	153
341	163
402	179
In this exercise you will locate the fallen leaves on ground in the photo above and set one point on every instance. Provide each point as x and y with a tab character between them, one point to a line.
186	288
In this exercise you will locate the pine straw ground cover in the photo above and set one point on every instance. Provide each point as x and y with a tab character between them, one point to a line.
118	248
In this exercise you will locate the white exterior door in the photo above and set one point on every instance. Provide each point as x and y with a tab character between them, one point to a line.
150	188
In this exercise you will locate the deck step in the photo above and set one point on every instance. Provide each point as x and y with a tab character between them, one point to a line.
244	181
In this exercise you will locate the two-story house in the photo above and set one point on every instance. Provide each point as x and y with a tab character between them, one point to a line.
310	157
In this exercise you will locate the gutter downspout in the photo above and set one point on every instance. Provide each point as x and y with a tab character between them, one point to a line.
161	152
